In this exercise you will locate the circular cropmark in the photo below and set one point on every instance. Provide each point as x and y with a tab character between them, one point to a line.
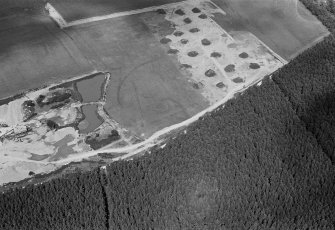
243	55
184	41
161	11
192	53
178	33
254	66
187	20
205	42
202	16
165	40
196	10
194	30
229	68
195	85
179	12
173	51
185	66
198	85
238	80
220	85
216	55
210	73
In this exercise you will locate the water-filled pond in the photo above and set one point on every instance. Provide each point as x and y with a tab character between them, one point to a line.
91	121
91	88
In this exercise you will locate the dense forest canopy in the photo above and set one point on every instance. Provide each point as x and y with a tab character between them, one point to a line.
263	161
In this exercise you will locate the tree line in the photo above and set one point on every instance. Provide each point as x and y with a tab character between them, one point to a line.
309	83
250	164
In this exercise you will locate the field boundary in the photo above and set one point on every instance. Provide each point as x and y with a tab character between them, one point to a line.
282	60
62	23
57	17
309	45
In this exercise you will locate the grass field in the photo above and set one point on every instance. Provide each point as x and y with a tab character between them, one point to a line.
33	52
284	25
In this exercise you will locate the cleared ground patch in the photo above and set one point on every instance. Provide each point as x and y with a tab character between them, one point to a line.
33	52
286	26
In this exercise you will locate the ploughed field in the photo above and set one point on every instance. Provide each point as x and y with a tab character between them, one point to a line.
117	81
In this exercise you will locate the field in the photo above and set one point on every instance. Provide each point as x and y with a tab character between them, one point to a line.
33	52
284	25
287	28
153	70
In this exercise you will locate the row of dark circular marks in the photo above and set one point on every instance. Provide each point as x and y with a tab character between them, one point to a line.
180	12
204	42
